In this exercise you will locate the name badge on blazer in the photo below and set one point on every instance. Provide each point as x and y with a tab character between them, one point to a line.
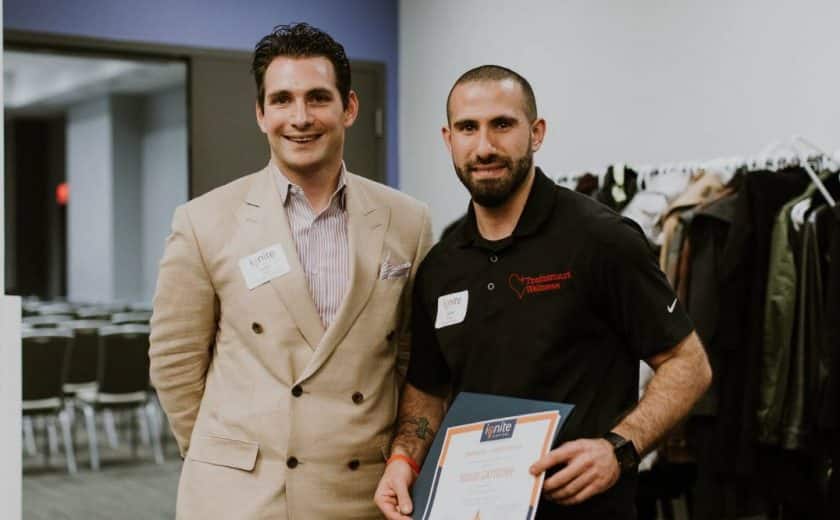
264	265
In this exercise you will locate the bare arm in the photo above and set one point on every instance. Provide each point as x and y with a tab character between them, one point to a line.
418	420
183	328
419	417
681	376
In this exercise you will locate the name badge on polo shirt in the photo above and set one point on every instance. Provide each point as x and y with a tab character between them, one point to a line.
452	309
264	265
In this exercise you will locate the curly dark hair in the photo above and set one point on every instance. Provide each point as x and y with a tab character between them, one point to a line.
300	40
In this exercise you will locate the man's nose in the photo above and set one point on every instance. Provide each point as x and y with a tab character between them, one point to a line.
486	147
301	116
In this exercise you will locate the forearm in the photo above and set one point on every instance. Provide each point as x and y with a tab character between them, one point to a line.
681	377
418	420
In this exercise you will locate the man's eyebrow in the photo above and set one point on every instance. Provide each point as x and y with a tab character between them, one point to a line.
461	123
504	119
319	91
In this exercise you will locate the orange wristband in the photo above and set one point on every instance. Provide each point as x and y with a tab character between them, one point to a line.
408	460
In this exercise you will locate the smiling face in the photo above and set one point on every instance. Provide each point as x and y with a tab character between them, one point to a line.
491	138
302	115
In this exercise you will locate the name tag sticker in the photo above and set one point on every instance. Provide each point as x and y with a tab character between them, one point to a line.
264	265
452	309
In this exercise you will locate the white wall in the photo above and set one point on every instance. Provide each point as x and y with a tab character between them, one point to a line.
90	223
165	178
127	170
10	437
127	118
647	81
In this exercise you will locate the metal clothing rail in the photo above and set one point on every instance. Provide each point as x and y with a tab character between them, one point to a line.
769	158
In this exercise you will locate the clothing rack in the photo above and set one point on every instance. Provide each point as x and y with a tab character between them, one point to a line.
770	158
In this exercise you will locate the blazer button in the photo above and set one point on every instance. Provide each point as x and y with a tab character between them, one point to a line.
291	462
297	391
257	328
353	465
390	336
358	397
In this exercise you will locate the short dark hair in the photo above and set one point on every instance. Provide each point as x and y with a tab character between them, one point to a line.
497	73
300	40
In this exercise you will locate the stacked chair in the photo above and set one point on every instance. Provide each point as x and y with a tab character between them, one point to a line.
44	361
92	359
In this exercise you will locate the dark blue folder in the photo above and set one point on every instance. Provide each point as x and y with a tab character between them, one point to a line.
470	408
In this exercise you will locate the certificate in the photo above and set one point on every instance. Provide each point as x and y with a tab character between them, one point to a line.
482	470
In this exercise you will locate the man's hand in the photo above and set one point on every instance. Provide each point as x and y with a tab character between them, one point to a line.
590	468
392	497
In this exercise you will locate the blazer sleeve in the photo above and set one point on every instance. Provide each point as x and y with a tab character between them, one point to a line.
424	243
183	328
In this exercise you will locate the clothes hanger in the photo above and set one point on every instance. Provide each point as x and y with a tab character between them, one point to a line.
803	159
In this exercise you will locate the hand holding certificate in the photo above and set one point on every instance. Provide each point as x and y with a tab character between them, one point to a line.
482	471
478	466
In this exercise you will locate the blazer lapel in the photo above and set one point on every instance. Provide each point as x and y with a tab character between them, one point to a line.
263	222
367	224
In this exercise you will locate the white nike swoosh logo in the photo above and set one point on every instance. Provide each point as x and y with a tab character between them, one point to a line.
672	306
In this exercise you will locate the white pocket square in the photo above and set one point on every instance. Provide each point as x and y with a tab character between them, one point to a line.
389	271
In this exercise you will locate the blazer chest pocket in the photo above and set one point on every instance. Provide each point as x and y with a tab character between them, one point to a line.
222	451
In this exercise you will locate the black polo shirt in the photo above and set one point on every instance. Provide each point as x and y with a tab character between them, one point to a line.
562	310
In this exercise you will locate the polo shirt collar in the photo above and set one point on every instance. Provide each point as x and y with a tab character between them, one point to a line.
538	208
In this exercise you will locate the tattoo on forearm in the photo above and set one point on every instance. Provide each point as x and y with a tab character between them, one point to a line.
418	426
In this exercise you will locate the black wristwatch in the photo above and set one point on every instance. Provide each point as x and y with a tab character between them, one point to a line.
625	452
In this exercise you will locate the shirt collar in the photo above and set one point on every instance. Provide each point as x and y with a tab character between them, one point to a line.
287	187
538	208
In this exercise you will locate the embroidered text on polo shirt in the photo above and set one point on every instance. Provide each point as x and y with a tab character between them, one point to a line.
523	285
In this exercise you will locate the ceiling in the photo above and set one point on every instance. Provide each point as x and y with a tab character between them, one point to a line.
41	83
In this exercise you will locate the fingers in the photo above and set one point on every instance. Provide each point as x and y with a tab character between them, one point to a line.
404	500
556	457
590	468
581	496
567	475
392	497
570	490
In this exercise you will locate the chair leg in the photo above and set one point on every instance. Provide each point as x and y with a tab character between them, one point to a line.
52	438
148	417
145	433
69	452
90	423
29	437
111	429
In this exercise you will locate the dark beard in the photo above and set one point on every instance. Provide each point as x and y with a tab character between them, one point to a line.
495	192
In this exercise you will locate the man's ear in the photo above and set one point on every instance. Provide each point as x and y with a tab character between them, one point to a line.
447	137
351	112
260	117
537	133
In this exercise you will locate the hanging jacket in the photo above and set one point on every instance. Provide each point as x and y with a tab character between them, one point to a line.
776	377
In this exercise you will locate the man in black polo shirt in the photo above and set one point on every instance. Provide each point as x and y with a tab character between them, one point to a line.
558	298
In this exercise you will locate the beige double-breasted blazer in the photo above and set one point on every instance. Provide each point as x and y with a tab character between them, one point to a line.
275	416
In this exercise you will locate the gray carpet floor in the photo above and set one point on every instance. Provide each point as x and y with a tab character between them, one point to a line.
127	486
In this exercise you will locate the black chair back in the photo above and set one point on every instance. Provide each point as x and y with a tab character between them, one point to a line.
43	361
123	359
84	361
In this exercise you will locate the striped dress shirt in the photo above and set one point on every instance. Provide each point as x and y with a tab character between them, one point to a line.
321	242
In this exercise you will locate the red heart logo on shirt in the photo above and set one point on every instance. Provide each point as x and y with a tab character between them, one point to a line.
517	284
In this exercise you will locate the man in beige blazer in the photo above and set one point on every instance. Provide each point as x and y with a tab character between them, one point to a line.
281	309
